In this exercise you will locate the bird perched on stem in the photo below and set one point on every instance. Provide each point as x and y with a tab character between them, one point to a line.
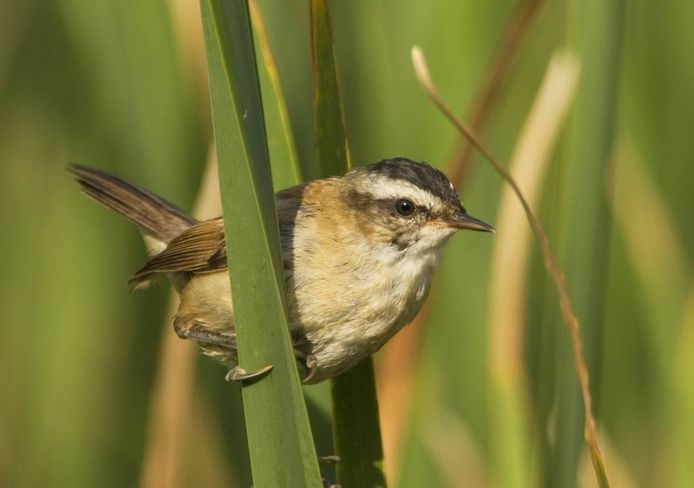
358	251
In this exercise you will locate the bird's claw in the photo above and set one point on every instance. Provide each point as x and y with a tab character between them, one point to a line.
240	375
311	366
329	459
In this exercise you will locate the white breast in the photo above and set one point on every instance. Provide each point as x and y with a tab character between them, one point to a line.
381	293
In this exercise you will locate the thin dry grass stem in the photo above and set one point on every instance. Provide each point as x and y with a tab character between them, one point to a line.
515	30
620	471
170	404
550	261
398	358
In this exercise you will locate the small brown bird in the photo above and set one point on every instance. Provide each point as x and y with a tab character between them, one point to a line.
358	251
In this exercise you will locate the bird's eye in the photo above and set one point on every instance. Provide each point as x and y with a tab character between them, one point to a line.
404	207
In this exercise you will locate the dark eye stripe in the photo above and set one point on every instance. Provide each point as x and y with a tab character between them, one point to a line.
365	203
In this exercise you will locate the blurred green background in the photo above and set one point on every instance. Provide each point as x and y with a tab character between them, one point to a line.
122	86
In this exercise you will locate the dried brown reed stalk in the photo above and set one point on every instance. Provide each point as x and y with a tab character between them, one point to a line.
396	363
171	401
550	262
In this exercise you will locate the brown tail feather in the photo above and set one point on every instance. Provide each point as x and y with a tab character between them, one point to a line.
154	215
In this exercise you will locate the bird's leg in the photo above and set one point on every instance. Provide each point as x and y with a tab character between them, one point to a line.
302	348
203	335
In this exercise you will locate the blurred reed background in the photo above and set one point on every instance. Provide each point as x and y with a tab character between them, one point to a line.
590	100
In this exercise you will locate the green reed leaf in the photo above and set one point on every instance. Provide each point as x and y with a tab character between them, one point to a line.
279	436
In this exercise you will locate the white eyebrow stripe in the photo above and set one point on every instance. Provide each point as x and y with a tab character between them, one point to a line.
391	188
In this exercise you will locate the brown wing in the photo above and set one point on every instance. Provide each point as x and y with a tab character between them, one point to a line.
199	249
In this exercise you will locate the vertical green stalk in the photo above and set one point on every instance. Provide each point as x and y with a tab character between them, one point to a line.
355	408
286	170
357	431
596	27
279	436
332	147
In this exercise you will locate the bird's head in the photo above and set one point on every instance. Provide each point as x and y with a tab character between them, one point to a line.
409	205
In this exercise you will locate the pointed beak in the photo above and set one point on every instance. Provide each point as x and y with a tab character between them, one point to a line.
462	220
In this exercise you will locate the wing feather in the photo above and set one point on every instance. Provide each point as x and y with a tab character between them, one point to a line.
199	249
